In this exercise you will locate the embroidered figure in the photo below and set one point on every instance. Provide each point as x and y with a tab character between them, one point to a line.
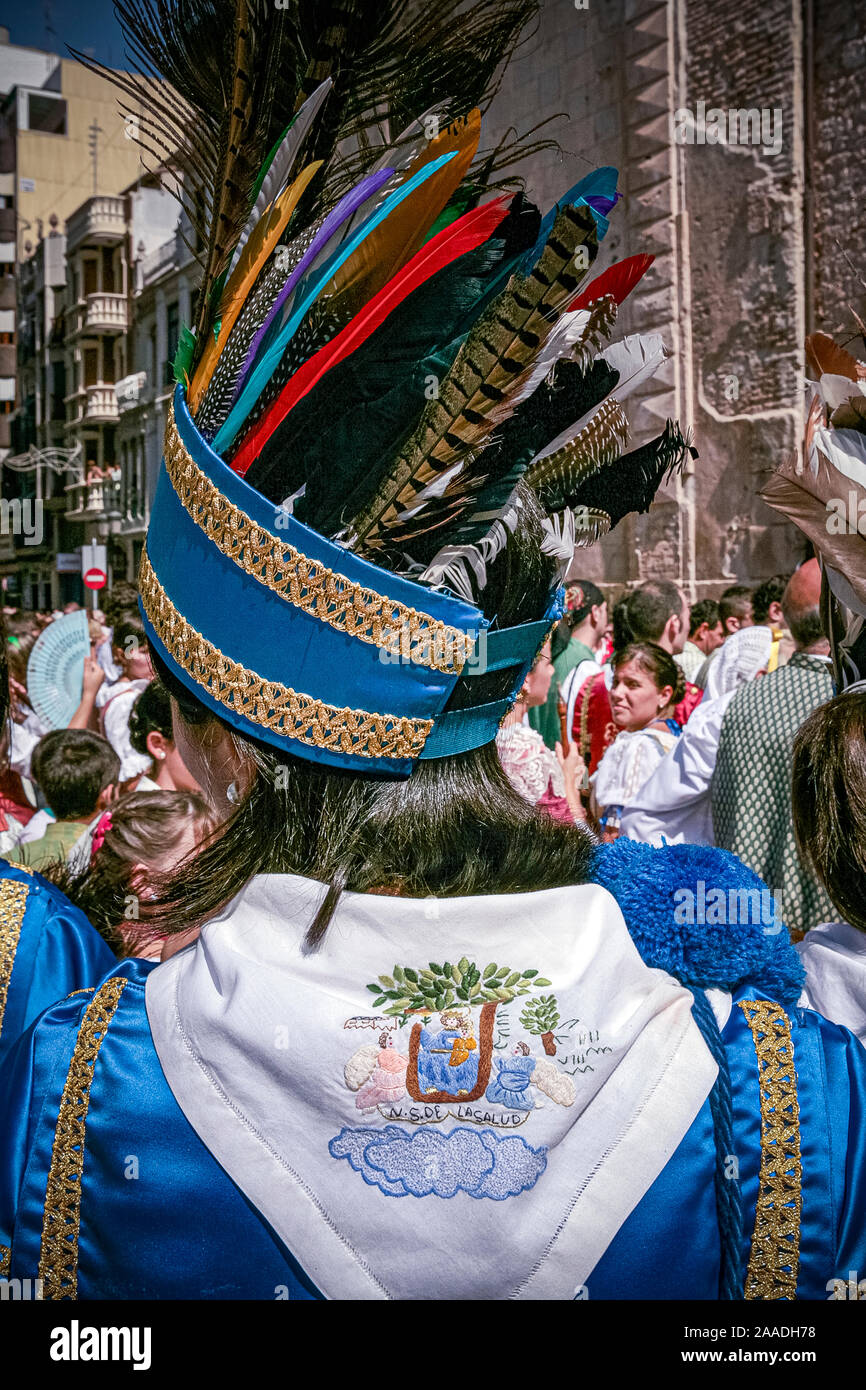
510	1085
387	1079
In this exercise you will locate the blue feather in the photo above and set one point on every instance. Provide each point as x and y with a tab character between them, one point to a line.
270	360
598	183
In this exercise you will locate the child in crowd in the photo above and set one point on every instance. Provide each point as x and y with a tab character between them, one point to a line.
77	771
150	734
140	840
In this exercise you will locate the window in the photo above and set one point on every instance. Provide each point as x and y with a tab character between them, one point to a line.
46	114
172	327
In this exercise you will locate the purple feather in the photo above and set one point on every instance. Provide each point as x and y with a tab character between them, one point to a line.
345	209
600	204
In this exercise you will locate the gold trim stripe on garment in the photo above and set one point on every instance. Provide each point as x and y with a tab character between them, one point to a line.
269	704
308	584
775	1254
13	904
58	1254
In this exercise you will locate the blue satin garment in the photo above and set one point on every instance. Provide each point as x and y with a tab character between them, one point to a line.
179	1228
57	952
160	1218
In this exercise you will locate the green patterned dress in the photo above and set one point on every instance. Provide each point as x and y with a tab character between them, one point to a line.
752	783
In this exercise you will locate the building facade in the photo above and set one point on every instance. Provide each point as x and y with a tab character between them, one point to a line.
166	282
759	237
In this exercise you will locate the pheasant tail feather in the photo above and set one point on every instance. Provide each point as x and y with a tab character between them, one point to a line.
497	355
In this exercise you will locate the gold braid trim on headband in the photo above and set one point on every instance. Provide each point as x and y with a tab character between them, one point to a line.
268	703
307	584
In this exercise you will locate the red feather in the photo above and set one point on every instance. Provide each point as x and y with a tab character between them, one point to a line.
460	237
618	280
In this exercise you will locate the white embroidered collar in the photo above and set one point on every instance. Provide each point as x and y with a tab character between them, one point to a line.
455	1098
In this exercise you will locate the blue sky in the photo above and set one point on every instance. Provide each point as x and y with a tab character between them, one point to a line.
84	24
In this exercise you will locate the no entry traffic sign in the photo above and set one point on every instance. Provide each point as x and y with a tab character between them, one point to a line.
95	579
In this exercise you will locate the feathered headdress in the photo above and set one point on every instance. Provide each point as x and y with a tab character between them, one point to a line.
822	490
393	353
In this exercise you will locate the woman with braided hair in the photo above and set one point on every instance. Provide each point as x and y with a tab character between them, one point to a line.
647	686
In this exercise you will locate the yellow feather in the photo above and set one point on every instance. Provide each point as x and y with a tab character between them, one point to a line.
387	249
262	241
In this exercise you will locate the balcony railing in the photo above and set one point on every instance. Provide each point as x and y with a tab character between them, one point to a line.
102	313
158	262
94	501
97	404
99	220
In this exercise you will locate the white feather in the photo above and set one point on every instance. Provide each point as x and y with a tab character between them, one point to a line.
570	330
636	358
454	565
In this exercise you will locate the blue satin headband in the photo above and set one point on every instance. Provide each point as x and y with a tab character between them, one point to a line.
294	640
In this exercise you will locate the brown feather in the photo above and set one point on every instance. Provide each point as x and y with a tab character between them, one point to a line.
824	355
600	442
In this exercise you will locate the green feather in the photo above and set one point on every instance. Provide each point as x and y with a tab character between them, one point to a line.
184	355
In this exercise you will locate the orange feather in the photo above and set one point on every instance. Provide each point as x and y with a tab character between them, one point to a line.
262	242
391	245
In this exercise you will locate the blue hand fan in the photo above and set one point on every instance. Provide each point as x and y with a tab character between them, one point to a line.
55	671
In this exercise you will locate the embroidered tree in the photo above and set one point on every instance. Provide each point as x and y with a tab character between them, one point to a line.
540	1017
435	987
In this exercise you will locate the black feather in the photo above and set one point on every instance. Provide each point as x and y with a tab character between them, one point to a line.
630	484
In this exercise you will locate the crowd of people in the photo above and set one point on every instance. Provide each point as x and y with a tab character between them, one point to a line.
649	722
677	724
105	806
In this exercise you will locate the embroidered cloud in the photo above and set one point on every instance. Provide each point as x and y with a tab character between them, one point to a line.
425	1163
554	1083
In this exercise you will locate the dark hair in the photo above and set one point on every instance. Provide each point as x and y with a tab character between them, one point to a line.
4	674
650	607
150	714
145	828
559	638
589	597
657	663
456	827
735	602
829	800
707	611
22	623
72	766
766	594
18	655
130	627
